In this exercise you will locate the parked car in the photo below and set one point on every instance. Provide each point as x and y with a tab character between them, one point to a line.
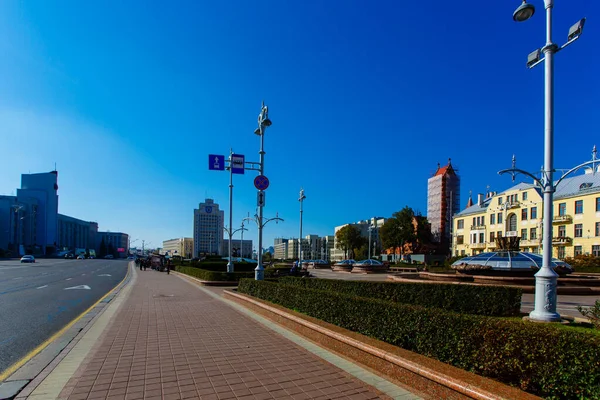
27	259
81	257
70	256
109	256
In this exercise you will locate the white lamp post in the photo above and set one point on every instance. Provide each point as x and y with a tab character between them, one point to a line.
546	277
301	200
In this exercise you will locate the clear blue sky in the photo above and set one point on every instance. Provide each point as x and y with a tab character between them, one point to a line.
129	98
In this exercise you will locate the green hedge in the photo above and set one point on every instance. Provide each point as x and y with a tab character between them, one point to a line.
469	299
540	359
206	275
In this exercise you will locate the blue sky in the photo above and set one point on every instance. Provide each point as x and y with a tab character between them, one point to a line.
129	98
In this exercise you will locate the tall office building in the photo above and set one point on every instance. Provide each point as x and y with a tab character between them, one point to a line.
208	228
443	201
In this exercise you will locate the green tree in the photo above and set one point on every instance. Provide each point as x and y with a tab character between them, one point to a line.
399	229
361	248
347	239
102	249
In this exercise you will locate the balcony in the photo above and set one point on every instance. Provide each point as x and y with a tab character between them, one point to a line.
512	204
561	240
477	227
477	245
562	219
530	242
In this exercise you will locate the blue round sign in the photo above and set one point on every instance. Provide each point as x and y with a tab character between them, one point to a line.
261	182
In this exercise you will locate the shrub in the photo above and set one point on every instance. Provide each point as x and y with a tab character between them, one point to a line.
207	275
540	359
470	299
584	263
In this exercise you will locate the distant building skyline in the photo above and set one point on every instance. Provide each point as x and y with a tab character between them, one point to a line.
208	228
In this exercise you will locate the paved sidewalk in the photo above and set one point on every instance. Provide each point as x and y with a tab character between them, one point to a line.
172	340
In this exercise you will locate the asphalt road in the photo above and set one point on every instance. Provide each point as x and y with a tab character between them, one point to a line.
37	300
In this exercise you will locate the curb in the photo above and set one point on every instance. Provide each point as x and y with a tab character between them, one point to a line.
33	371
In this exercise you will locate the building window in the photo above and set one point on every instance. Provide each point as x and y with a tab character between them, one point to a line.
499	218
483	220
533	233
577	250
499	201
596	250
474	221
597	204
482	237
493	219
578	230
533	213
512	222
562	231
597	228
523	214
524	196
523	234
561	252
499	234
462	253
492	237
460	239
579	207
474	238
460	224
562	209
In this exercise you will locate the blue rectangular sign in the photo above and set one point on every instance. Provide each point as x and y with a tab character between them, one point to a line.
237	164
216	162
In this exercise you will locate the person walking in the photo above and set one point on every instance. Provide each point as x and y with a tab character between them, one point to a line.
168	266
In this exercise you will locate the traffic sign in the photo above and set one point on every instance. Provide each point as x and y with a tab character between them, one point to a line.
261	182
216	162
237	164
260	201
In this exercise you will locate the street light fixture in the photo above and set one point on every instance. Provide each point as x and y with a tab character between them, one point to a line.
263	123
546	278
524	12
301	200
260	221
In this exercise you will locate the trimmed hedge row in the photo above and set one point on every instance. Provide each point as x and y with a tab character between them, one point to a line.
206	275
469	299
541	359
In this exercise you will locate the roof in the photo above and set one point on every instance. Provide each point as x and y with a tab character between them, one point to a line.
578	185
475	208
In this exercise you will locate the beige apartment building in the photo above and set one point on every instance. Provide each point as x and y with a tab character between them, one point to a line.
518	211
183	247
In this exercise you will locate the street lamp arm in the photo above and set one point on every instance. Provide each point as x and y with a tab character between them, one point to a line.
577	168
272	219
516	171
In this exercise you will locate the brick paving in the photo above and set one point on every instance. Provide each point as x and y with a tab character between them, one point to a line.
171	340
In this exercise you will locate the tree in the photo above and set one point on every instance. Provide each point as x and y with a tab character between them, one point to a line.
102	249
347	239
399	229
361	248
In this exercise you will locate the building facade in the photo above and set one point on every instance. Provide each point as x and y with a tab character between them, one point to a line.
518	212
375	223
183	247
246	248
208	228
443	201
76	235
280	249
118	241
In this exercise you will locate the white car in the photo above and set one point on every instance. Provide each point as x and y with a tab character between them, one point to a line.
81	257
109	256
28	259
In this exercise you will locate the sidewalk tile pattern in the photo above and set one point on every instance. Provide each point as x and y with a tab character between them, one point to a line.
172	341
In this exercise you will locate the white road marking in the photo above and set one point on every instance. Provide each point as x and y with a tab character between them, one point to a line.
18	277
105	275
41	287
86	287
68	279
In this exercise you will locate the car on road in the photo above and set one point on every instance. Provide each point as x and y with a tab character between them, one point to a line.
28	259
109	256
81	257
69	256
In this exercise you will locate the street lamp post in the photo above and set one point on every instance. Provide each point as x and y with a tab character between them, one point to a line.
260	221
301	200
370	230
242	239
231	233
546	278
263	123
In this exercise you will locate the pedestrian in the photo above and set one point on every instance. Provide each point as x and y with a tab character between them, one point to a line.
168	266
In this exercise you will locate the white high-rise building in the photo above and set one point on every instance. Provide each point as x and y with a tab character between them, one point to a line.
208	228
